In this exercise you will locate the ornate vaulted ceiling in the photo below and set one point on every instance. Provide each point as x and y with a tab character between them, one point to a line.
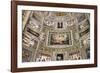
54	36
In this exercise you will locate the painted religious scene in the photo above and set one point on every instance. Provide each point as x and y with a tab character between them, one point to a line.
55	36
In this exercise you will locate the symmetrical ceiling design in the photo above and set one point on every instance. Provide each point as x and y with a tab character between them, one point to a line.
54	36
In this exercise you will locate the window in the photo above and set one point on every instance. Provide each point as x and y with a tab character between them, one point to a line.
60	25
59	57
